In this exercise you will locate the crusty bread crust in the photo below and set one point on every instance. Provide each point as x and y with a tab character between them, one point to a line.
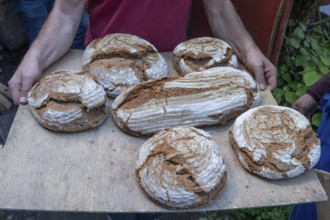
274	142
181	168
202	53
121	60
198	99
68	101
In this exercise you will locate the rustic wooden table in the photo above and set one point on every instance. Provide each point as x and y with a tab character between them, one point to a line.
93	171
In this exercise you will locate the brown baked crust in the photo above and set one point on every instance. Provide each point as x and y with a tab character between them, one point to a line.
198	99
121	60
181	168
206	198
202	53
125	46
89	120
274	142
68	101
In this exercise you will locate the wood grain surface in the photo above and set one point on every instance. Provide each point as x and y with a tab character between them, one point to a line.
93	171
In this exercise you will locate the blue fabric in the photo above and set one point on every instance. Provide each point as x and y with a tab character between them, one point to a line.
308	211
304	212
33	14
324	134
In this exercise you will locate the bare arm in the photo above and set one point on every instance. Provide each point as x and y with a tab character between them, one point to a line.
306	105
53	41
309	102
227	25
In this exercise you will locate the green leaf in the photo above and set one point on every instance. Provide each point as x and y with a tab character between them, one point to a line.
280	82
316	119
299	32
278	99
290	97
315	60
324	69
294	43
301	60
278	92
301	91
325	60
293	85
300	84
302	26
303	51
283	69
315	46
310	77
286	77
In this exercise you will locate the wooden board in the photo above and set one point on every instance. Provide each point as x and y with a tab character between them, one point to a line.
93	171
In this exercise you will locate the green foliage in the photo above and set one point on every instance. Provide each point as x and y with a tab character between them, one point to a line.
316	118
272	213
304	59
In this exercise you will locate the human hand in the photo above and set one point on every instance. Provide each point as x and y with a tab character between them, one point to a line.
306	105
264	71
27	73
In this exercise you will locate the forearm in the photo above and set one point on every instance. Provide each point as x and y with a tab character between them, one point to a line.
57	34
227	25
318	89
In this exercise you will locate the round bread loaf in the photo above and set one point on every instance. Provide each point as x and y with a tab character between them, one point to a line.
210	97
202	53
274	142
68	101
121	60
181	168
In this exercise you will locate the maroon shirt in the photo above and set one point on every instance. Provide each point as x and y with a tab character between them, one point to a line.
161	22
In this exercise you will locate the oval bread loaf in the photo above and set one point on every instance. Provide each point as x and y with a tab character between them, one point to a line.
198	99
181	168
202	53
119	61
68	101
274	142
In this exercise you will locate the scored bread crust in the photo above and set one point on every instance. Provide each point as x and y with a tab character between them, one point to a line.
210	97
181	168
274	142
68	101
202	53
121	60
